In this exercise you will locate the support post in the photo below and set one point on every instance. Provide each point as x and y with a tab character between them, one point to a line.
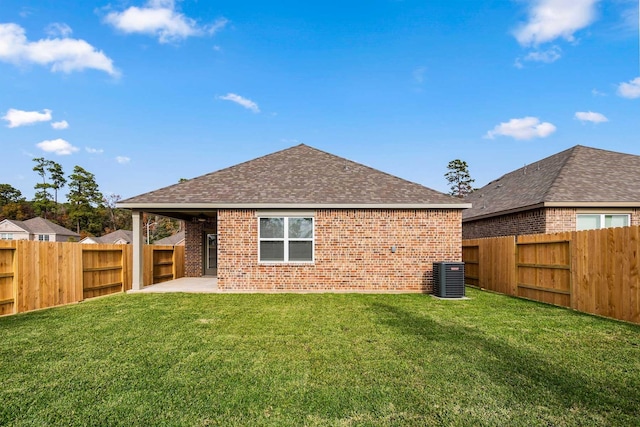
137	279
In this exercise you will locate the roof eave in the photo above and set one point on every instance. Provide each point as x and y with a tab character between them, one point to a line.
556	205
207	206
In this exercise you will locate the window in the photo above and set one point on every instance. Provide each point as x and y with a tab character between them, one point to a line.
6	236
285	239
43	237
594	221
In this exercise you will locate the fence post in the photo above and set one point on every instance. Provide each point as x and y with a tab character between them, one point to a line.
16	277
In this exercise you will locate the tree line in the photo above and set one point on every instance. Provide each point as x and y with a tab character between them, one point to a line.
86	209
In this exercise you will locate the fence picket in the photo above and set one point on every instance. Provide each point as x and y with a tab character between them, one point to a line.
36	275
594	271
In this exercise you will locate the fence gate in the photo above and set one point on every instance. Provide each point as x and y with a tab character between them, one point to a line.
543	271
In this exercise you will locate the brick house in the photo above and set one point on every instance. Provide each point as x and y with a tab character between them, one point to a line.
577	189
304	219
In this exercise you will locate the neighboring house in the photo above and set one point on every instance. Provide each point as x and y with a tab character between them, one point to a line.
174	240
577	189
304	219
118	237
35	229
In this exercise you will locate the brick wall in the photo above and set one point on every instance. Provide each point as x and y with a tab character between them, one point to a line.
544	220
560	219
194	246
528	222
352	251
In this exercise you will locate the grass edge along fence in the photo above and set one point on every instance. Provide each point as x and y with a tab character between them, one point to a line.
35	275
593	271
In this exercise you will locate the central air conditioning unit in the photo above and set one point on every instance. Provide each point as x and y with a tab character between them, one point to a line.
448	279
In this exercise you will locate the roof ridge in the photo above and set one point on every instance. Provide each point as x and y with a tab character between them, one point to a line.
555	182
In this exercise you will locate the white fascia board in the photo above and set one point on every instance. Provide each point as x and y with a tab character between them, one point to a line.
208	206
592	204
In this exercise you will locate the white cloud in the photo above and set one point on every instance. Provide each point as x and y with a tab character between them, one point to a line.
596	92
630	90
58	29
159	18
18	118
551	19
123	160
217	25
94	150
524	128
62	124
590	116
57	146
550	55
246	103
63	54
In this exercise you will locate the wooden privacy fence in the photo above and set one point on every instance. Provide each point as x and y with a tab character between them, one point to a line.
594	271
36	275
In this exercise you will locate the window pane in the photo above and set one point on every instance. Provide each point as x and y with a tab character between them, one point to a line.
271	251
300	251
616	220
587	222
300	228
272	228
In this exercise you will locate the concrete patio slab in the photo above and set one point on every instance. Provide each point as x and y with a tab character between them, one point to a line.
202	285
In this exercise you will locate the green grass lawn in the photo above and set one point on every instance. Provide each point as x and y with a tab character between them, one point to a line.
319	359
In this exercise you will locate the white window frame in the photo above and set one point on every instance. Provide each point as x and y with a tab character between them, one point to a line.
43	238
602	219
286	239
6	236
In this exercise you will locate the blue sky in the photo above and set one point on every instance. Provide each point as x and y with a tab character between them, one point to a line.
143	93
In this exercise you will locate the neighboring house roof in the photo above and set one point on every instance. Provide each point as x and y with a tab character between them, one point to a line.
173	240
297	177
18	226
578	177
116	237
39	225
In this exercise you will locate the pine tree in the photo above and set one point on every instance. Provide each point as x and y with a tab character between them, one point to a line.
57	182
459	178
42	199
85	200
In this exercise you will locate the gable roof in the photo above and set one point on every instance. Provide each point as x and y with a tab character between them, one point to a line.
578	177
16	225
113	237
298	177
39	225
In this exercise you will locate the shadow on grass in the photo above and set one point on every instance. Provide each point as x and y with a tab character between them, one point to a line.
531	376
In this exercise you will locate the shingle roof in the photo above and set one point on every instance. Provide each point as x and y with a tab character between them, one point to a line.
577	176
299	175
125	235
39	225
171	240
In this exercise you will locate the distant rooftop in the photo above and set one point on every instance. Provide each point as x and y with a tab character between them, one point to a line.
575	177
